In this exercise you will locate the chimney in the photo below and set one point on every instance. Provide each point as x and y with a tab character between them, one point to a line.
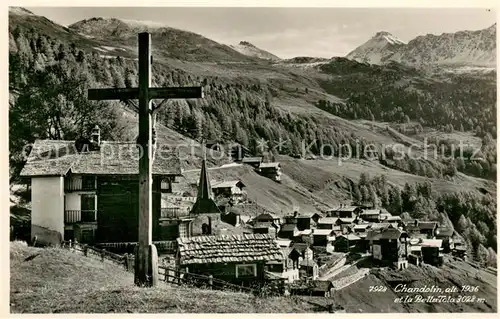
95	137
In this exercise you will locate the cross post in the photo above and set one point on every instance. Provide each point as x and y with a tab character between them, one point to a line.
146	255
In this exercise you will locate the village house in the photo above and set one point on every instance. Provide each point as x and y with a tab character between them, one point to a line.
229	189
346	243
445	234
327	222
344	211
271	170
86	190
235	218
389	246
287	268
288	231
304	221
304	236
308	269
321	288
267	218
361	228
238	259
252	161
321	237
420	229
265	228
304	250
371	215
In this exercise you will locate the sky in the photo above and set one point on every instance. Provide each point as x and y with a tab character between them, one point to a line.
291	32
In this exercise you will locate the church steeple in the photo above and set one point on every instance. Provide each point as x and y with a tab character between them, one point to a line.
204	201
204	187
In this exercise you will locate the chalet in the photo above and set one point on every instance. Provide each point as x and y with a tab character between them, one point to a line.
309	269
239	259
345	221
288	231
271	170
304	236
445	234
344	211
267	218
432	252
323	236
229	189
87	189
389	245
252	161
304	221
291	219
371	215
327	222
265	228
304	250
361	228
346	243
286	268
316	217
421	229
235	218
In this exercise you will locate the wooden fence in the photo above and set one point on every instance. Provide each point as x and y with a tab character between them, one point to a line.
175	276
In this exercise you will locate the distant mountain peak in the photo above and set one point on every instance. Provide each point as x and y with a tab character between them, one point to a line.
476	48
247	44
389	37
247	48
20	11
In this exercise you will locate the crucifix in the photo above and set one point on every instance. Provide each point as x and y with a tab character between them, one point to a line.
146	255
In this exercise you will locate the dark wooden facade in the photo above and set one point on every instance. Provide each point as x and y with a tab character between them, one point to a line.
118	209
227	272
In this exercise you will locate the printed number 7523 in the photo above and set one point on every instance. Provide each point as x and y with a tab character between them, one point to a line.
377	289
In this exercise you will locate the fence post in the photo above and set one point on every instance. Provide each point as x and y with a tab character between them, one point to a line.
210	281
102	254
70	245
85	250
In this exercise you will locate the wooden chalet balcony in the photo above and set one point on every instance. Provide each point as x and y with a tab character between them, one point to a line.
80	216
85	183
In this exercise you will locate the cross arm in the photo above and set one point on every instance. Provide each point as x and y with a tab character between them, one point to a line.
185	92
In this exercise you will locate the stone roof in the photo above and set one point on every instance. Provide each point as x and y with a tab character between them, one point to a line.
322	232
328	220
232	248
58	157
388	233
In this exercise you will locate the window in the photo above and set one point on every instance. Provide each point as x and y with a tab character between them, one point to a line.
88	182
87	202
249	270
165	186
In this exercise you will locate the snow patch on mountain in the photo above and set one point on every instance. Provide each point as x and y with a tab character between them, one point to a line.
377	49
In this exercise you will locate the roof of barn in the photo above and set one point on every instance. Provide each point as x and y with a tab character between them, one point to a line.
228	248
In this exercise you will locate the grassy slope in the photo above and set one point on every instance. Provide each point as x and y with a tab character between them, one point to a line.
357	298
52	283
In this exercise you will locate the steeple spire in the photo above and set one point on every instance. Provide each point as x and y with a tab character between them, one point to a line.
204	201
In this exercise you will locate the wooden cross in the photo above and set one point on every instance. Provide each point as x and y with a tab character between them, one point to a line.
146	257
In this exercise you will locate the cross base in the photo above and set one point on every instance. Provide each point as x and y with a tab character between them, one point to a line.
146	266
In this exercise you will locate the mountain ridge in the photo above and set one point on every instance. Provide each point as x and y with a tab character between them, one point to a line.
464	48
